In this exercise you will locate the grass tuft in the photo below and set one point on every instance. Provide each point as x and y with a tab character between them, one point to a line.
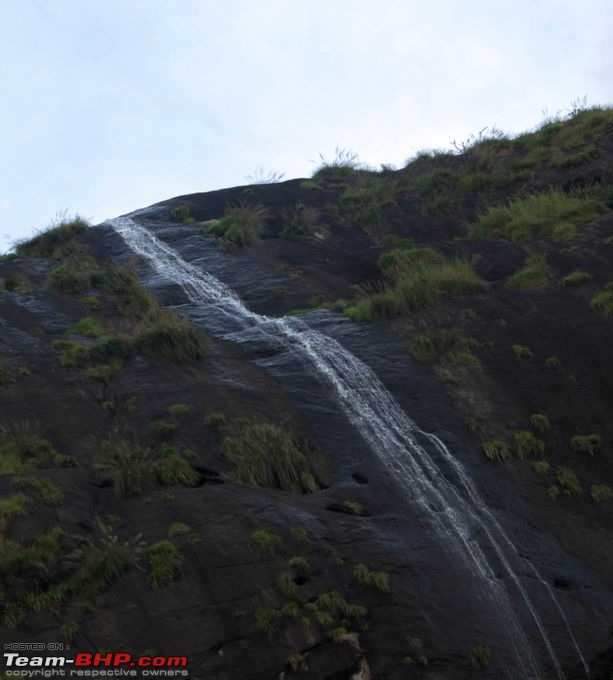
567	479
129	467
163	563
526	444
58	233
534	274
496	449
379	580
419	287
522	352
88	327
601	493
603	302
540	214
443	344
266	543
265	455
577	278
586	443
240	227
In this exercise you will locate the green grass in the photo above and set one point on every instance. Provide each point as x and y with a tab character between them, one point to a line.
576	278
553	491
496	449
88	327
581	127
129	467
399	261
266	620
104	373
58	233
47	492
542	215
179	410
173	338
179	529
91	302
17	283
541	467
102	560
265	455
378	580
443	344
164	563
300	565
601	493
181	213
522	352
334	603
534	274
552	362
420	287
436	181
214	420
300	535
75	275
266	543
133	299
31	558
21	449
240	227
586	443
345	163
364	199
13	506
173	469
526	444
300	220
603	302
567	479
480	656
168	337
162	428
286	585
539	422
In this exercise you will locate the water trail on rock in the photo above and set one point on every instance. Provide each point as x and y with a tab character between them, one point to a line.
460	516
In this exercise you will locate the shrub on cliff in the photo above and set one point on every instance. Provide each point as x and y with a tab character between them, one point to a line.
266	455
48	239
241	226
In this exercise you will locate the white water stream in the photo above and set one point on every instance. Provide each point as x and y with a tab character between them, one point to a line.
454	508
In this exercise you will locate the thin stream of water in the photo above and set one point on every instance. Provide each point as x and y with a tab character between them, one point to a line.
462	520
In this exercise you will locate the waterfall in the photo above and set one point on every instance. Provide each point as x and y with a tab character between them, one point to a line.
453	507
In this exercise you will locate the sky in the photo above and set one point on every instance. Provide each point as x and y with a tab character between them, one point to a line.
112	105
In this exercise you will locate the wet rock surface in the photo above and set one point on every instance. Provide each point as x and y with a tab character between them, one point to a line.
557	569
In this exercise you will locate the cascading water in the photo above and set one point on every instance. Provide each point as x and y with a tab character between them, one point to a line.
439	487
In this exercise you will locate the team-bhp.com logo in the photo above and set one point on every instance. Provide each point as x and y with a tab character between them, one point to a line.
120	664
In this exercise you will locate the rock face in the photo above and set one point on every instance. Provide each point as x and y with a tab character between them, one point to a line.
260	502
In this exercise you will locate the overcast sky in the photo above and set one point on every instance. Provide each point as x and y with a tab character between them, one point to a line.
111	105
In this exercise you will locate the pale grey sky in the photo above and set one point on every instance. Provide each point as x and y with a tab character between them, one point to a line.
111	105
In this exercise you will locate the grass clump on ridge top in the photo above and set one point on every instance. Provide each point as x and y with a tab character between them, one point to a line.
421	277
56	234
552	213
266	455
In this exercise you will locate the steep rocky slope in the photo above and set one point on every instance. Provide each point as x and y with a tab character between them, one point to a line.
205	495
